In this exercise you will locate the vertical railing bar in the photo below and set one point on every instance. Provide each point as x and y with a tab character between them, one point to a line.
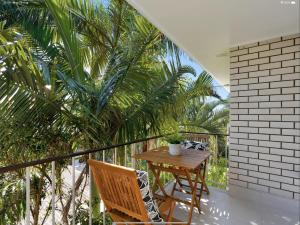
103	215
90	192
217	147
27	188
147	168
132	152
125	164
73	190
137	151
53	178
115	156
227	162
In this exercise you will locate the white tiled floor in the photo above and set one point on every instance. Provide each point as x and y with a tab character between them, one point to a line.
220	208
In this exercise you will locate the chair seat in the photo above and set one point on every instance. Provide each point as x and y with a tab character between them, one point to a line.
121	217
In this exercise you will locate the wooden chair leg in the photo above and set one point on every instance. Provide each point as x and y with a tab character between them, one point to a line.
194	200
206	189
171	212
204	176
174	187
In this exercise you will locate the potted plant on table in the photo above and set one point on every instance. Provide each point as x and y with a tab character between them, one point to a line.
174	141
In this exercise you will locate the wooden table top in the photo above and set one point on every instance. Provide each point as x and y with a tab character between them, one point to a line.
189	159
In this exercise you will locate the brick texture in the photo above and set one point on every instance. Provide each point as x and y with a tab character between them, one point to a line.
265	116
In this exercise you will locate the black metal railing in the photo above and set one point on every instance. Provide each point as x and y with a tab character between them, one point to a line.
75	181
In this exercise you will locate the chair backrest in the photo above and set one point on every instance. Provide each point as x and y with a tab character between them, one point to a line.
118	188
197	137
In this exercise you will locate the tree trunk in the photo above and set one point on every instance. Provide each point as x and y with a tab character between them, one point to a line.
66	208
38	200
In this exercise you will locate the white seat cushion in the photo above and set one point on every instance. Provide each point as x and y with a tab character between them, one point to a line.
201	146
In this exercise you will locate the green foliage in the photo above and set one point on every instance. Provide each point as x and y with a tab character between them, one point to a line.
93	73
75	75
174	138
12	199
82	216
212	117
217	174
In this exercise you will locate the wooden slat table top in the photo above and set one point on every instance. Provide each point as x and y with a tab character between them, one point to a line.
188	159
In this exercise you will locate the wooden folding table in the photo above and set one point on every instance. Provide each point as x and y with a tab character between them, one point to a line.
188	164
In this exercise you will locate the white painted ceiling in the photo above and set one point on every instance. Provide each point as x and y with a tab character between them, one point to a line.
206	29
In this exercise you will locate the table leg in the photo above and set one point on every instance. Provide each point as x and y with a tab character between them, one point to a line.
203	183
174	187
194	200
157	180
195	190
204	176
177	181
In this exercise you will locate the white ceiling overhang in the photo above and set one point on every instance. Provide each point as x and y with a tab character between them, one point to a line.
206	29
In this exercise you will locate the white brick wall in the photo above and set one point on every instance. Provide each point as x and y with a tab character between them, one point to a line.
265	116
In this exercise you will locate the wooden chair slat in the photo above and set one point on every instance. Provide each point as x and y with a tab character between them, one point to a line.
119	189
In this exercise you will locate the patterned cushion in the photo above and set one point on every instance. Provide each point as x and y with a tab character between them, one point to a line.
201	146
150	204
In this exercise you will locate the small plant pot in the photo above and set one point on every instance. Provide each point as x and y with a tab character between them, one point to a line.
175	149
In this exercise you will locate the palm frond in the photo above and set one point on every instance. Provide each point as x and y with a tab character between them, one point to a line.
66	30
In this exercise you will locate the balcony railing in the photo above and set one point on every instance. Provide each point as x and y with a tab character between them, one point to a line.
68	195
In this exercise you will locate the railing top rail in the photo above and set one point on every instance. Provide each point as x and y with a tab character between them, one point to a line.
215	134
18	166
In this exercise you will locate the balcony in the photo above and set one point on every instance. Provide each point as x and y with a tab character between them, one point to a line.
71	194
69	79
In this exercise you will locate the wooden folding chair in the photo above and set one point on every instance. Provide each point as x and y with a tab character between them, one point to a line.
204	138
119	190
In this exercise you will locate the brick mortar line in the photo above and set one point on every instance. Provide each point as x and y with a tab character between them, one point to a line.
270	75
268	160
248	110
248	182
265	64
249	53
260	43
263	57
281	66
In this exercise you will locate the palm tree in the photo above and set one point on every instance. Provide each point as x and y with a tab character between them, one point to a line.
202	116
80	74
209	117
90	71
